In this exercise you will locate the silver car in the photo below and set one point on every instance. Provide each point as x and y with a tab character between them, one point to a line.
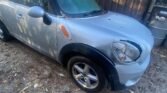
99	48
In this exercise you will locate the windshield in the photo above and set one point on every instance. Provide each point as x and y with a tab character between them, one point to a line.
79	6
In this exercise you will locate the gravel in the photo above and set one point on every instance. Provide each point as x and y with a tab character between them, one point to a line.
23	70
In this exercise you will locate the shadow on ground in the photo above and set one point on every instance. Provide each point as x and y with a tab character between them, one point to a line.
22	70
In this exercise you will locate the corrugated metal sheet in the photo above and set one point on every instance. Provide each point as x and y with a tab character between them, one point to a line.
134	8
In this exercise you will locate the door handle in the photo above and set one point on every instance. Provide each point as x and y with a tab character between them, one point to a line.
19	16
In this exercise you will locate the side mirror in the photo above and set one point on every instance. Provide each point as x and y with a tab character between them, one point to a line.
38	12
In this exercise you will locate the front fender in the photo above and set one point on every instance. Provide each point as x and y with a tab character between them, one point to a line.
96	56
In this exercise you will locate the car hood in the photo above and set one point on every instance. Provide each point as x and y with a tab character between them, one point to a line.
116	24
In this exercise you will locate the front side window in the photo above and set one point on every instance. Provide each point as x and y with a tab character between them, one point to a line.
19	1
30	3
78	6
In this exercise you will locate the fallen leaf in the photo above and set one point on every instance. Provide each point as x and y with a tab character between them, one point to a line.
61	75
36	85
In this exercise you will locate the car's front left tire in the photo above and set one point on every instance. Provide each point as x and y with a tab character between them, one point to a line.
86	74
4	34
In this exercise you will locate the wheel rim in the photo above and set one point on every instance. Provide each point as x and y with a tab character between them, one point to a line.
1	33
85	75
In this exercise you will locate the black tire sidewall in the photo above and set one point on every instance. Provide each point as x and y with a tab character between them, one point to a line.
99	71
2	28
5	32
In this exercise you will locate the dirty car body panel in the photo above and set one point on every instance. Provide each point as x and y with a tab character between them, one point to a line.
90	35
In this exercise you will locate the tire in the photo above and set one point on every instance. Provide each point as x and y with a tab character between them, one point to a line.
4	34
80	76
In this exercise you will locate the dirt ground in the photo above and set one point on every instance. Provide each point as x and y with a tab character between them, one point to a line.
23	70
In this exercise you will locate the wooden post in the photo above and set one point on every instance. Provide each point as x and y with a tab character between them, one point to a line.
148	14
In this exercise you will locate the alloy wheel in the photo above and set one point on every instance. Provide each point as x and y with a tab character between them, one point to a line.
85	75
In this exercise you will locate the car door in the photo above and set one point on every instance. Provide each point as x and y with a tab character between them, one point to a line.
11	18
36	34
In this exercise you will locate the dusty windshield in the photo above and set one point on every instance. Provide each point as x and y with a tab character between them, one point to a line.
79	6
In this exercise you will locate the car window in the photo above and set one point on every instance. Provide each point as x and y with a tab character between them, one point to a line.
78	6
30	3
19	1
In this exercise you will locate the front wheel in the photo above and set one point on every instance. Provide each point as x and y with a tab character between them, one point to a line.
86	74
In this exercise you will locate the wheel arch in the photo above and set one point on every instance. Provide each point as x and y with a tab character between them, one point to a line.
83	50
95	55
1	16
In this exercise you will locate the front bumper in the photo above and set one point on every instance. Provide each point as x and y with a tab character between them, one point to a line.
130	74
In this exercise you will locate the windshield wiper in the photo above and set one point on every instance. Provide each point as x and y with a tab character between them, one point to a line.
95	11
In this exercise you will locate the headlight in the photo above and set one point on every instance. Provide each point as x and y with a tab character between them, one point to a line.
125	51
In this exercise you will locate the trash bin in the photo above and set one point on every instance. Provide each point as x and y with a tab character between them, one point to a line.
159	31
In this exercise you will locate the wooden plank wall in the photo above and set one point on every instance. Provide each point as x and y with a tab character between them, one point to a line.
134	8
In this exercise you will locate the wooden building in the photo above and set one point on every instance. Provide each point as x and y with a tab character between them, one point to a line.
134	8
